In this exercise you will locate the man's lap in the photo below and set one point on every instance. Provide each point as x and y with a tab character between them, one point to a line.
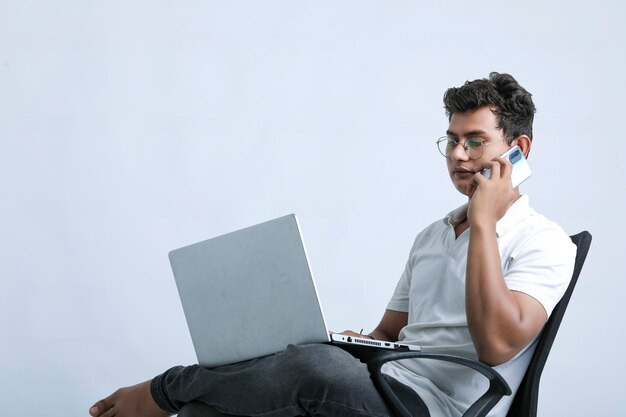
309	379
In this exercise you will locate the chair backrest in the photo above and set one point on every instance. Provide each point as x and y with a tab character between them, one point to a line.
525	401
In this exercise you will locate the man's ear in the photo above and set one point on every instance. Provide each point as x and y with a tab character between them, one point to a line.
524	143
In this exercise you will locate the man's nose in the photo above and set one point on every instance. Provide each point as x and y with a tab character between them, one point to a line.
458	153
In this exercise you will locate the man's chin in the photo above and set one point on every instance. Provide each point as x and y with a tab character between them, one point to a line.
464	188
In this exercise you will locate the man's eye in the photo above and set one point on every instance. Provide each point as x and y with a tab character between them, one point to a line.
452	143
474	143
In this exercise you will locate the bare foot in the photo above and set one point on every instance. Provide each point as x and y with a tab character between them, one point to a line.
135	401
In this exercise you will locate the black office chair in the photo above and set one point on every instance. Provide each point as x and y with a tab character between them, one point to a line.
525	401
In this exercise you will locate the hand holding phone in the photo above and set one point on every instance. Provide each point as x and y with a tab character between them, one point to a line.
521	169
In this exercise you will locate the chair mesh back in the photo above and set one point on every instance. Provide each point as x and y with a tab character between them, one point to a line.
525	402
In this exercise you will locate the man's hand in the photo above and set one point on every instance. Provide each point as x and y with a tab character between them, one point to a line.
354	334
491	197
388	329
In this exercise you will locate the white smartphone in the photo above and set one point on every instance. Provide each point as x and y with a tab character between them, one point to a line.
521	169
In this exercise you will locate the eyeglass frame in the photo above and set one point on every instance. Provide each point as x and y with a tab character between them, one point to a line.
483	143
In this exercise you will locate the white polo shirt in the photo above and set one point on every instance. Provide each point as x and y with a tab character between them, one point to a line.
537	259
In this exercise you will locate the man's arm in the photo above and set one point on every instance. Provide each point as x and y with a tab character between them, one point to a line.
390	325
388	328
501	322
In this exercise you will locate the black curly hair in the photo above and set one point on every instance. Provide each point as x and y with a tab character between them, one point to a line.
513	105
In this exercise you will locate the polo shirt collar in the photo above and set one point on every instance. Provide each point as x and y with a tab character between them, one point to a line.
456	216
518	211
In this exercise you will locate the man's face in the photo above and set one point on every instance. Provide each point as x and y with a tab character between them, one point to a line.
480	124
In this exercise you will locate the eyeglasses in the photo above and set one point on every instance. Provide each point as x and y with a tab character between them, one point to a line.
473	146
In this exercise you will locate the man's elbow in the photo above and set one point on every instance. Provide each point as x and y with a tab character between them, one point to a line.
494	354
497	347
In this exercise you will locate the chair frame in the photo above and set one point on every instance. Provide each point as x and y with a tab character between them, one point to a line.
525	402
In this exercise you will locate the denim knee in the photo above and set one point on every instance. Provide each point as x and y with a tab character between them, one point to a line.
324	367
319	357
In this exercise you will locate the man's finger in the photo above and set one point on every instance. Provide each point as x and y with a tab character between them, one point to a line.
506	167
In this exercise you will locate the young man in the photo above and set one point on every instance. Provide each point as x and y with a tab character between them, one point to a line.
480	283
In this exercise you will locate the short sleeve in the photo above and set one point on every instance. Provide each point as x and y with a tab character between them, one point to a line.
542	266
400	299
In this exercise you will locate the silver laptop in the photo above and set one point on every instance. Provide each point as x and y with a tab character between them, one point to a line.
250	293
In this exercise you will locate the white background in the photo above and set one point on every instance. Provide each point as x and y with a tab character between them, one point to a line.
129	128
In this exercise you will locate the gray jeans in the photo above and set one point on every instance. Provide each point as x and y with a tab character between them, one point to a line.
308	380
